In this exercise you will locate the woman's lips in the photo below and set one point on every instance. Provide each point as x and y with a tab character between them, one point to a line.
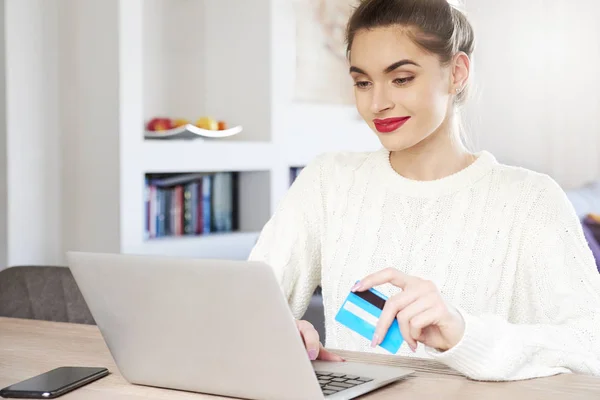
389	124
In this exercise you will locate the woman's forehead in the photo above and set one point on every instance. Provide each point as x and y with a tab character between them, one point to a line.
377	48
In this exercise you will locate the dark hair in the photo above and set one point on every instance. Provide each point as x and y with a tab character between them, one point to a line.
434	25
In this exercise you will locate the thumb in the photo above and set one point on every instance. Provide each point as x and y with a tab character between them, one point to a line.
326	355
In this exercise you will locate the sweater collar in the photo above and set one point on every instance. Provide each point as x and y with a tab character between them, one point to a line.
466	177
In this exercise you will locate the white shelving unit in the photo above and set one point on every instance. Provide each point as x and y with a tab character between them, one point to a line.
177	156
229	59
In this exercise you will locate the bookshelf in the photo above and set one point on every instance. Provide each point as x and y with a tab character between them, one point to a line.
184	59
204	204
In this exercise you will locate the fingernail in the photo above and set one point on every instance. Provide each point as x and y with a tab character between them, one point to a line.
375	340
312	354
356	287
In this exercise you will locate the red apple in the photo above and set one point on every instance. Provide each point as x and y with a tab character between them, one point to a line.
159	124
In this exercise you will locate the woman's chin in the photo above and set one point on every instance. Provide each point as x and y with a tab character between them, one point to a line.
395	141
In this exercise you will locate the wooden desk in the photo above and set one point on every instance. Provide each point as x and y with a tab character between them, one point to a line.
28	348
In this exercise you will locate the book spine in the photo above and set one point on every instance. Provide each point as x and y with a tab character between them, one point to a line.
161	213
235	225
180	200
170	215
195	189
206	200
217	203
188	209
153	213
146	209
228	202
200	208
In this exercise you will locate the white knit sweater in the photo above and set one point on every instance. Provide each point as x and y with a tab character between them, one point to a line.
502	244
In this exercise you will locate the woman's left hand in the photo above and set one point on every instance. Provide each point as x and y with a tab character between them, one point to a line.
422	314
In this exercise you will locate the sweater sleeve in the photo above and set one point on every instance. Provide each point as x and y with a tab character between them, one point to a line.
556	329
290	242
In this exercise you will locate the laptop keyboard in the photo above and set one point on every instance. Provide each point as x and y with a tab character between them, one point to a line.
332	383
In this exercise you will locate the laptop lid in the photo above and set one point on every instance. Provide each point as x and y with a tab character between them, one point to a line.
212	326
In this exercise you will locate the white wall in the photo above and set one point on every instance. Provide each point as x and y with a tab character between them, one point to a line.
538	86
3	157
90	121
132	70
173	75
237	65
32	133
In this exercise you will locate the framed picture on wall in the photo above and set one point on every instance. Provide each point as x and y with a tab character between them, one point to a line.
321	65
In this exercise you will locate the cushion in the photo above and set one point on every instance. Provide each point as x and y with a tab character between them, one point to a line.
593	243
593	224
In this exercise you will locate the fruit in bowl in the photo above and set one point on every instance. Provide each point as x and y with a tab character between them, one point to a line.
207	123
180	122
164	124
159	124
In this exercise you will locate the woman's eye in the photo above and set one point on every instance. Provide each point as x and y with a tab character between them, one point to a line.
362	84
403	81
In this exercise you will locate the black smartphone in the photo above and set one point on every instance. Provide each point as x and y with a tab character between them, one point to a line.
53	383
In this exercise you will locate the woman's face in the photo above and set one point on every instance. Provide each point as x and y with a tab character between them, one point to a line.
401	91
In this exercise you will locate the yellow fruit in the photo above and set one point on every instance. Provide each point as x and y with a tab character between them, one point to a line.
180	122
207	123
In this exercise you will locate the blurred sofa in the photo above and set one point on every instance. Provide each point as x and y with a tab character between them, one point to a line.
586	201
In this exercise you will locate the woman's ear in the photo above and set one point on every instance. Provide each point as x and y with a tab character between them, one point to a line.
461	68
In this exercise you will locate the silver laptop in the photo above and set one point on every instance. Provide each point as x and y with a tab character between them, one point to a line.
210	326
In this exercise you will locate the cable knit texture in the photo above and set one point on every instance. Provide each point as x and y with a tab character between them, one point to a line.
502	244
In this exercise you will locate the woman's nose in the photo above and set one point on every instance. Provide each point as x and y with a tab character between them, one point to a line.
381	100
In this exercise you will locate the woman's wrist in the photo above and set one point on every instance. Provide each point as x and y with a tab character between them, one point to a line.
454	330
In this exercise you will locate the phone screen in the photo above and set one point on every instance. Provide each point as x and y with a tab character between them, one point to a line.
56	380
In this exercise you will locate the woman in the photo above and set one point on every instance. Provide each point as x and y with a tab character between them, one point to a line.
485	264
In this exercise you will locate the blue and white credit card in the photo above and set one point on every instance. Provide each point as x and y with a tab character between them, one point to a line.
360	312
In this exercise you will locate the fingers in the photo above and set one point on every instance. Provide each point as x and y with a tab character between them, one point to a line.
395	308
417	307
423	320
314	348
407	316
326	355
310	336
388	275
392	306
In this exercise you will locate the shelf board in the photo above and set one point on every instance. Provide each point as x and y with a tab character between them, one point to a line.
232	246
206	155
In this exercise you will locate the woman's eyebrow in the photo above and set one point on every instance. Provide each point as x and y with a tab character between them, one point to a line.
389	69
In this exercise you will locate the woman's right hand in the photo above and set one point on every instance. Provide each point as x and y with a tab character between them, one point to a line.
313	345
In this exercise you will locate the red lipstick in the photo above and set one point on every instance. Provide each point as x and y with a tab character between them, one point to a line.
389	124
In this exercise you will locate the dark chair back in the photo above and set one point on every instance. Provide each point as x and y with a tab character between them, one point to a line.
42	293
